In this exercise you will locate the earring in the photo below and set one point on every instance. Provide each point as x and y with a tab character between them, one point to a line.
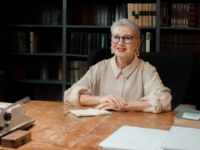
137	53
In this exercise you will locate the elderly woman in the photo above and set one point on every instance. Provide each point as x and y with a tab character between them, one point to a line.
123	82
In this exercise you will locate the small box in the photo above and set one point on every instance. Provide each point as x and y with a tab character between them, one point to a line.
16	139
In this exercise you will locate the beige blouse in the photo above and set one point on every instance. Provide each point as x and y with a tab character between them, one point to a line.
137	82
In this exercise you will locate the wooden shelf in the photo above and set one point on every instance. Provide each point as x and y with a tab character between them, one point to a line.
37	81
33	54
179	28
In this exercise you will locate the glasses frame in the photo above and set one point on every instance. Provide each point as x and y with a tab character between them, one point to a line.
122	39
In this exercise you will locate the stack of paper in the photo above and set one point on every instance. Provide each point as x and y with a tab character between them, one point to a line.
135	138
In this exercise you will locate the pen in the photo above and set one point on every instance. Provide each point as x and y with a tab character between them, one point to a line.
65	113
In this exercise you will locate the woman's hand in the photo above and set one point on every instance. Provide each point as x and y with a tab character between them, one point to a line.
108	106
115	100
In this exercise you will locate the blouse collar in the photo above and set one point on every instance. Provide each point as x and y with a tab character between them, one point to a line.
126	71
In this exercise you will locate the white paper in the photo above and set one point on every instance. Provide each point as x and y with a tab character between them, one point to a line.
134	138
99	112
182	138
191	116
3	105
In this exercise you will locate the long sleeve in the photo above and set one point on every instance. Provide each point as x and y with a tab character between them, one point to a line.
84	86
158	96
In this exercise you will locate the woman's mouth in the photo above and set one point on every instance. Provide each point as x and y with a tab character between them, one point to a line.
121	49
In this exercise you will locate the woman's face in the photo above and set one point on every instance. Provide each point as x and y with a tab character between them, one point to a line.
122	49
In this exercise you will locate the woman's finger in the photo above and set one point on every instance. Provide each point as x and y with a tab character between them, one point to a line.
119	100
109	107
102	105
116	102
112	102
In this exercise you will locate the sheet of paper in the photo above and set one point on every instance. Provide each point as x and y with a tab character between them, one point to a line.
81	113
99	112
134	138
182	138
3	105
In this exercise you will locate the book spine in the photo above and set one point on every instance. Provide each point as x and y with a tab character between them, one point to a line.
144	14
140	15
182	14
176	15
147	14
99	15
137	13
150	14
103	15
199	15
196	16
31	42
106	15
154	14
172	15
117	12
133	12
191	15
147	42
164	14
130	10
161	13
179	14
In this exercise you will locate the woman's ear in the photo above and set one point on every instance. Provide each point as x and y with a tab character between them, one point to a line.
139	42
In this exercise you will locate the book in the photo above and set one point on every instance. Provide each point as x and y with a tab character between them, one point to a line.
147	14
130	11
199	15
187	118
150	14
90	112
192	15
140	15
144	14
154	14
137	13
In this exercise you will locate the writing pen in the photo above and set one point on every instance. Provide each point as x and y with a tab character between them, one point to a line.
65	113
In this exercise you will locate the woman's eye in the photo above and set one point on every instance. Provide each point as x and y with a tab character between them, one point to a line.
127	38
116	37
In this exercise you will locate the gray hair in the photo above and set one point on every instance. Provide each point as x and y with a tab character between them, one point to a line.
125	22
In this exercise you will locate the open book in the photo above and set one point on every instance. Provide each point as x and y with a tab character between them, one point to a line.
90	112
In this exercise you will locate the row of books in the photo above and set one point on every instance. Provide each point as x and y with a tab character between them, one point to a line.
101	15
179	42
75	70
32	42
84	42
48	93
180	14
36	68
147	42
143	14
47	69
32	14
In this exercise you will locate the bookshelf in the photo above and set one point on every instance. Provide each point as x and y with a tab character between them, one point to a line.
64	28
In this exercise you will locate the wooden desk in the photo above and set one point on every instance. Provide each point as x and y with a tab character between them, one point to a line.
53	131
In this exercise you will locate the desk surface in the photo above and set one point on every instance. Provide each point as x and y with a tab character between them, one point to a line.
53	131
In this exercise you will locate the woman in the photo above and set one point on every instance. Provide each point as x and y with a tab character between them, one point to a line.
123	82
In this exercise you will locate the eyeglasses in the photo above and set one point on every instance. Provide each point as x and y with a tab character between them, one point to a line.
126	39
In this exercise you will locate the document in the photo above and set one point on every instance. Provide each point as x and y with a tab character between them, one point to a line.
182	138
134	138
90	112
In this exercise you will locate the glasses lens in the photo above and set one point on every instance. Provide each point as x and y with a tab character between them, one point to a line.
115	39
127	39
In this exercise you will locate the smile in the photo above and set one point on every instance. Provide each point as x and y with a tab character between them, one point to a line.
121	49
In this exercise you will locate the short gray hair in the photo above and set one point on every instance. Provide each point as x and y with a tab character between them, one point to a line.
125	22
